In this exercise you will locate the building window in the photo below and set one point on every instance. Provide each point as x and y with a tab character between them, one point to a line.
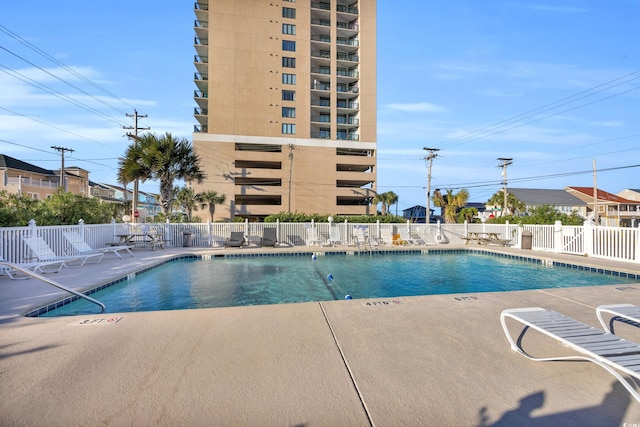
288	95
288	128
289	45
288	29
288	79
288	12
288	112
288	62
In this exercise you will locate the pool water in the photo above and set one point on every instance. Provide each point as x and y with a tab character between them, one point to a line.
195	283
242	281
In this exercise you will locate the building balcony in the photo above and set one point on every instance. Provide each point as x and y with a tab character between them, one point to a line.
347	136
321	103
347	121
350	57
321	5
352	10
321	22
350	26
200	94
324	54
200	111
198	59
200	24
317	85
321	38
201	6
30	182
347	42
200	76
200	128
348	105
321	70
321	118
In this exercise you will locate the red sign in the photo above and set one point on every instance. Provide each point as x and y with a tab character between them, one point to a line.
136	214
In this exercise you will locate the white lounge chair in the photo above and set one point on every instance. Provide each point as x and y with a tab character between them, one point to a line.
386	236
82	248
8	268
42	252
405	237
360	235
334	235
627	313
595	345
312	237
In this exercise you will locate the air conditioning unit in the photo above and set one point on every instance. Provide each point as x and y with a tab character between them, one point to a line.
354	89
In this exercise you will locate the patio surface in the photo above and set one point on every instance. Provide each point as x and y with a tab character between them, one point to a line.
420	361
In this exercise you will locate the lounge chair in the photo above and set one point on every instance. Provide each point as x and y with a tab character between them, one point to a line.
386	236
334	236
236	240
360	235
626	313
42	252
81	247
312	237
595	345
269	237
9	268
405	237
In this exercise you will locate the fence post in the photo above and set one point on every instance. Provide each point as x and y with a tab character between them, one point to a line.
637	248
32	228
588	238
81	224
466	227
246	229
557	237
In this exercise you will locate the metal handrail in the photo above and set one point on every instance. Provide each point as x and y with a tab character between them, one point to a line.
53	283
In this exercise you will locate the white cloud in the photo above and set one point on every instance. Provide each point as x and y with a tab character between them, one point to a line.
420	107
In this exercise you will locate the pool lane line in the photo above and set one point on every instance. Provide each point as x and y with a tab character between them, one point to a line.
325	280
346	364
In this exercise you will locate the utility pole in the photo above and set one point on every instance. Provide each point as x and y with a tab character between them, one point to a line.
505	162
62	150
596	220
432	155
134	136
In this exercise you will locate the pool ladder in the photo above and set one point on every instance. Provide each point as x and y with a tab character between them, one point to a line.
52	283
366	243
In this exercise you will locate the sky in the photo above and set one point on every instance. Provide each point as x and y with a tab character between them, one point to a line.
553	85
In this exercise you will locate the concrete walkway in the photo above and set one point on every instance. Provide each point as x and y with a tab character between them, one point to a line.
420	361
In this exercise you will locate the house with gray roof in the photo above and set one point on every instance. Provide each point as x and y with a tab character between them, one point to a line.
560	200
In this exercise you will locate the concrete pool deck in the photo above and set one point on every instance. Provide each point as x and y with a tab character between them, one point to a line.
410	361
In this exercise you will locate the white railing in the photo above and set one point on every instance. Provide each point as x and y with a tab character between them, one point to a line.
614	243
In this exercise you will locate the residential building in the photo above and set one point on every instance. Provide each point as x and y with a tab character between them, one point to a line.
630	194
286	105
20	177
560	200
611	210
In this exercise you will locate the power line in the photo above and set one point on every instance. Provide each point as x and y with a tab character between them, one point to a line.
55	61
493	129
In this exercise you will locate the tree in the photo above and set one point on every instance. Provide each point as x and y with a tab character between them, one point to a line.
450	203
387	199
211	199
513	204
188	200
163	158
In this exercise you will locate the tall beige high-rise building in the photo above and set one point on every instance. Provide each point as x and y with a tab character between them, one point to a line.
286	105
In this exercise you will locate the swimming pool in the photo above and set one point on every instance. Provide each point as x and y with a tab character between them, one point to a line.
240	281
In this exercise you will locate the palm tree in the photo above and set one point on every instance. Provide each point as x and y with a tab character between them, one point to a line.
188	200
211	198
513	203
387	199
450	203
163	158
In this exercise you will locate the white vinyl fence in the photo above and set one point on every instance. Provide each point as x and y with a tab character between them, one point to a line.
622	244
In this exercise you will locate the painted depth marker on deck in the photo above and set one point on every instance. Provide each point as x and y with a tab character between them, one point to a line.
382	303
101	321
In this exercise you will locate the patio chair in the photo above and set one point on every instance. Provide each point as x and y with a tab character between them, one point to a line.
405	237
42	252
593	344
269	237
235	240
81	247
625	313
